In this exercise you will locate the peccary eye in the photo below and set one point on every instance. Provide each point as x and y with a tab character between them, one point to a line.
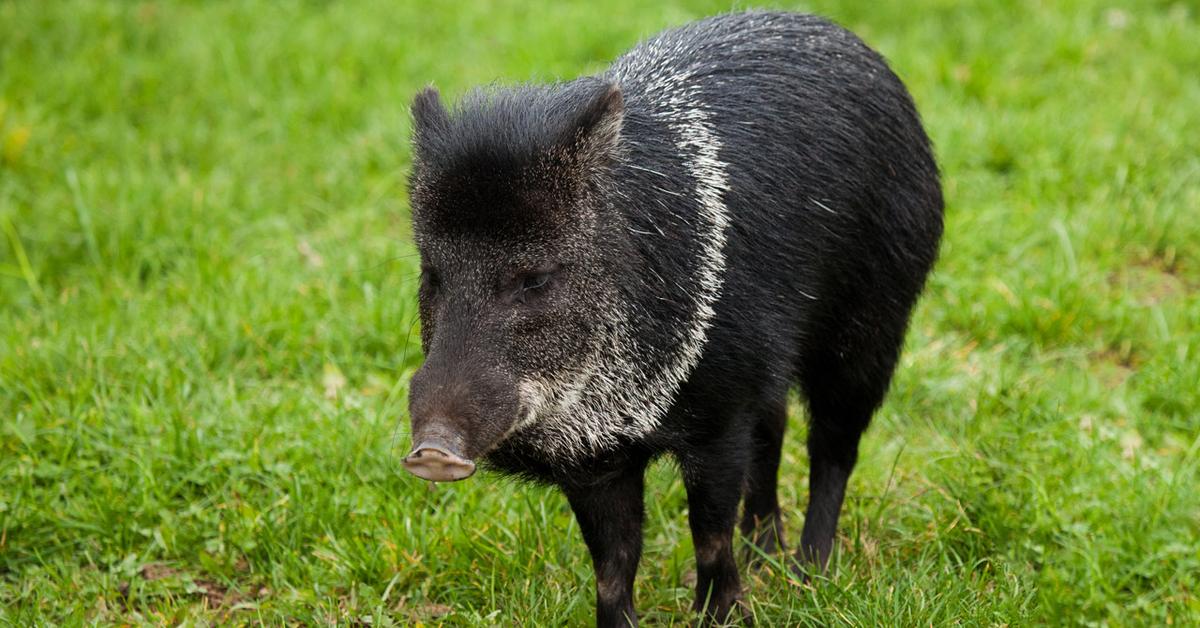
533	282
530	285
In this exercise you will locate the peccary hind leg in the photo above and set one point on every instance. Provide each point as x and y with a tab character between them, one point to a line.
610	516
844	383
832	455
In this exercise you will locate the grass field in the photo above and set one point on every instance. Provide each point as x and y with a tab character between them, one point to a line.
207	305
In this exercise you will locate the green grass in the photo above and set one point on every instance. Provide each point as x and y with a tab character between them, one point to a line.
207	308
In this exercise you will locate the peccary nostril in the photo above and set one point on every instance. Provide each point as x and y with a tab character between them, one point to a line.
430	460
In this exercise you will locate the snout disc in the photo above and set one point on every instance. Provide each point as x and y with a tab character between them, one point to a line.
437	465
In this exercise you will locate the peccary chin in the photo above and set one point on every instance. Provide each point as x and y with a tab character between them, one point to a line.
510	219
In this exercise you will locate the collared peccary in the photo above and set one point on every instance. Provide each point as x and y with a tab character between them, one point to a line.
644	262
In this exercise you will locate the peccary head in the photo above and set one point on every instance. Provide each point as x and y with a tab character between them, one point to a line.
520	255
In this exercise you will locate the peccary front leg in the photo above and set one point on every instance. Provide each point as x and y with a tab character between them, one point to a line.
610	516
713	476
762	522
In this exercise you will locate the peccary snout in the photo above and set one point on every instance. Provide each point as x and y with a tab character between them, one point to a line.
435	458
459	412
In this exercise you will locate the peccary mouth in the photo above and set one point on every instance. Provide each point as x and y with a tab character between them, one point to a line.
434	461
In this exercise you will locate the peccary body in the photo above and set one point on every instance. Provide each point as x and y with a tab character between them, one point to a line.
646	261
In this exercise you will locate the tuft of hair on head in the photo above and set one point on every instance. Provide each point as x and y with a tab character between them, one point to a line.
503	149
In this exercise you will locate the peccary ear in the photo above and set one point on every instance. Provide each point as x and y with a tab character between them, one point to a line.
595	132
429	115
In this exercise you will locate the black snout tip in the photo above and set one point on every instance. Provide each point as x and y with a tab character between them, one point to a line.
436	463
